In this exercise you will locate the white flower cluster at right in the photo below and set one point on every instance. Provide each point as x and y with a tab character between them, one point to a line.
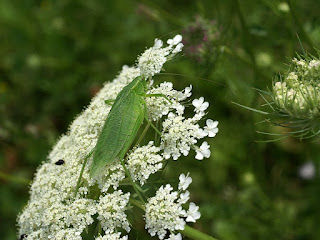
164	211
180	134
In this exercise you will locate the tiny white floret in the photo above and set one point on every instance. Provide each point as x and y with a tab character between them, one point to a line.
184	181
200	104
203	151
193	213
211	127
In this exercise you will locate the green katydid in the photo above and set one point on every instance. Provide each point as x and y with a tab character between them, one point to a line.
127	114
122	124
125	118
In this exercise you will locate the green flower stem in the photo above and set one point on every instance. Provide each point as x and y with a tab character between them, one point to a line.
188	231
195	234
81	173
13	179
137	204
132	182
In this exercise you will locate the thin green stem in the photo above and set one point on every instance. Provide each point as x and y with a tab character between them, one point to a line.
14	179
81	173
132	182
99	228
195	234
137	204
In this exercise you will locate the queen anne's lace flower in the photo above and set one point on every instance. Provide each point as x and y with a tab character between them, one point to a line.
112	176
180	134
160	106
152	60
111	209
164	211
144	161
112	236
298	94
62	205
68	234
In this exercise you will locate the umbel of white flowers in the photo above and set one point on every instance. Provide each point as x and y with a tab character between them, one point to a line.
298	93
58	210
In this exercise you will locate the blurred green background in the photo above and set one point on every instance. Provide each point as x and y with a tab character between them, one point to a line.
55	55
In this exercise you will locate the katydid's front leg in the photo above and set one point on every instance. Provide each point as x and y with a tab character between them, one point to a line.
158	95
146	112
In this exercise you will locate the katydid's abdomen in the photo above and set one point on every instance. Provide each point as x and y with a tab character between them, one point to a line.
121	125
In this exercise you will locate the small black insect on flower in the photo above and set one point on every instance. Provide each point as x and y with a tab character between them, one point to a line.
23	236
59	162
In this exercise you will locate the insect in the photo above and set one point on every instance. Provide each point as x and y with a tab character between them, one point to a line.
59	162
126	116
122	124
23	236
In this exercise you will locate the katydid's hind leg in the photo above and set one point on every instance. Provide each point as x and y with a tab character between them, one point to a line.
153	126
149	122
109	101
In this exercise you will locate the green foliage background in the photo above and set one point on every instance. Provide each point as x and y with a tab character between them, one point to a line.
56	54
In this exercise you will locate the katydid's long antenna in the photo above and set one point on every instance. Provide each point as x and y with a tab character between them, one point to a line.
169	33
205	79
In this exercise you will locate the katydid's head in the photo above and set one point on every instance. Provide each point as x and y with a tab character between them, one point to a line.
152	60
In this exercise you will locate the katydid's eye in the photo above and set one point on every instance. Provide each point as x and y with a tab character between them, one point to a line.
23	236
59	162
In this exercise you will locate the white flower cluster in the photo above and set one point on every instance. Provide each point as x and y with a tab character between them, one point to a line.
112	236
180	134
164	211
170	99
152	60
112	176
299	93
111	209
62	205
143	161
